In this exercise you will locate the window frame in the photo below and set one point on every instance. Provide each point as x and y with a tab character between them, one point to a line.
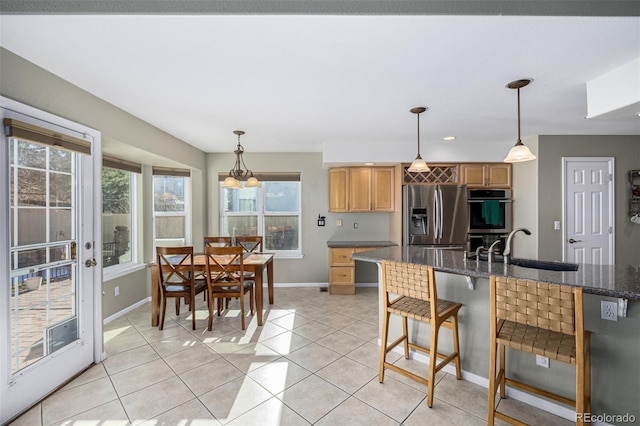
186	213
121	269
260	214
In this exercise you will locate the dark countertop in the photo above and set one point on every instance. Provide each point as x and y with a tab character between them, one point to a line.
351	243
610	280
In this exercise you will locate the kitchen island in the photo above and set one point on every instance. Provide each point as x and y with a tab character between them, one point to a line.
615	345
621	281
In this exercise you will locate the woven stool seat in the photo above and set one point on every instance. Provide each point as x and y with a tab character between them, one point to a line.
553	345
419	310
410	291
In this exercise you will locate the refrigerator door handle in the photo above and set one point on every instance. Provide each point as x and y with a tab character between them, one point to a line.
441	212
436	209
436	213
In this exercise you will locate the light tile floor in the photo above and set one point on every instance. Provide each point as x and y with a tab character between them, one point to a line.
314	361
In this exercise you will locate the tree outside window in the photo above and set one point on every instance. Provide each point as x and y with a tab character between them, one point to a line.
117	217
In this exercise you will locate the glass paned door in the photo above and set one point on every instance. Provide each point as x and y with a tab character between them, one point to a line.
43	251
48	271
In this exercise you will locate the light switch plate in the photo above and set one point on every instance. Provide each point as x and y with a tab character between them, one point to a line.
556	225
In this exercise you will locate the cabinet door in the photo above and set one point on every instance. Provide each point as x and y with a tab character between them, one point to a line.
359	189
498	175
472	174
338	185
382	185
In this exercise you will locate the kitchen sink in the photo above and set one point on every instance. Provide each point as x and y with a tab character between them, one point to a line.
543	264
532	263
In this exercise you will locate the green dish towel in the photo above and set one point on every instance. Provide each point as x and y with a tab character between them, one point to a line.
491	212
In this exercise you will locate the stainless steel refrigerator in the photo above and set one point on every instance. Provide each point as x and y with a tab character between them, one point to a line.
435	215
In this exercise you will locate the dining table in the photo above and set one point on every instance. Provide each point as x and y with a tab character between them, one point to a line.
253	262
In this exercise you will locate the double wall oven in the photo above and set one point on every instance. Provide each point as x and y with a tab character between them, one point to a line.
489	217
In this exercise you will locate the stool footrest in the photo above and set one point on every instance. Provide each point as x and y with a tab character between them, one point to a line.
540	392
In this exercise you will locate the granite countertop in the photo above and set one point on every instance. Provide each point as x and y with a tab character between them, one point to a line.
352	243
609	280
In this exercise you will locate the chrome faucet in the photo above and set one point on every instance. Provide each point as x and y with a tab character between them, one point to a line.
491	254
507	249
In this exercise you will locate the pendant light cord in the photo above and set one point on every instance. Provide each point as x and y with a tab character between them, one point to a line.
418	134
519	140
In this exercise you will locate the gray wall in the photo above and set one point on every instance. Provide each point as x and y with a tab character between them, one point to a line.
314	266
123	135
625	150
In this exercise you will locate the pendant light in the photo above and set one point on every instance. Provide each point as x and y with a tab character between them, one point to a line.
520	152
418	165
232	181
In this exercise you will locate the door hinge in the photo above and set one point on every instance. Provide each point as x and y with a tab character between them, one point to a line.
610	177
611	229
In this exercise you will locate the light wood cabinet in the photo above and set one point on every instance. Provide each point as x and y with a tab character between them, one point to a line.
382	189
361	189
486	175
338	180
342	269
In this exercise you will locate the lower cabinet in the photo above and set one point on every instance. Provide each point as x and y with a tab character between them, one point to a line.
342	272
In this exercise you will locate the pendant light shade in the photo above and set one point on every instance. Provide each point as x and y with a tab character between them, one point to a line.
418	165
232	181
520	152
252	182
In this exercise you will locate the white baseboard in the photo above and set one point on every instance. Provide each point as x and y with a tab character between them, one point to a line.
290	285
126	310
325	284
527	398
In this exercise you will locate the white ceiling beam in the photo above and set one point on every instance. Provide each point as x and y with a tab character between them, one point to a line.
616	93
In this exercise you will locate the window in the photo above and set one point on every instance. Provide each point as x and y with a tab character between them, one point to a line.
272	210
119	236
170	207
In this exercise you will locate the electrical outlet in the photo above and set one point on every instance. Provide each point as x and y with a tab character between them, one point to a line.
338	222
556	225
116	290
355	225
609	310
542	361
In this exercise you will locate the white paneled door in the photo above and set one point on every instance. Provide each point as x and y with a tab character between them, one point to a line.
588	210
49	276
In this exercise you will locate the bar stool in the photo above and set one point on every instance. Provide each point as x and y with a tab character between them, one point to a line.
416	287
542	319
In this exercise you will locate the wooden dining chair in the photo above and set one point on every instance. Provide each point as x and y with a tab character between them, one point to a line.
217	241
225	278
542	319
250	243
409	290
177	279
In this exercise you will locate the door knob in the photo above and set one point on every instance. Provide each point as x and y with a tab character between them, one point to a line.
571	241
90	263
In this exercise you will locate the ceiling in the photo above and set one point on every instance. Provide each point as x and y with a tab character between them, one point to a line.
297	82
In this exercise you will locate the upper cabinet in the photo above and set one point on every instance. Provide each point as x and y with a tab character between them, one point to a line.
338	184
486	175
361	189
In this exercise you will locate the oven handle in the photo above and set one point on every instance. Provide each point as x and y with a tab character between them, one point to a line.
481	201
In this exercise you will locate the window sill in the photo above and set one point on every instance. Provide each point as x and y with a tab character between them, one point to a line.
288	256
112	273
